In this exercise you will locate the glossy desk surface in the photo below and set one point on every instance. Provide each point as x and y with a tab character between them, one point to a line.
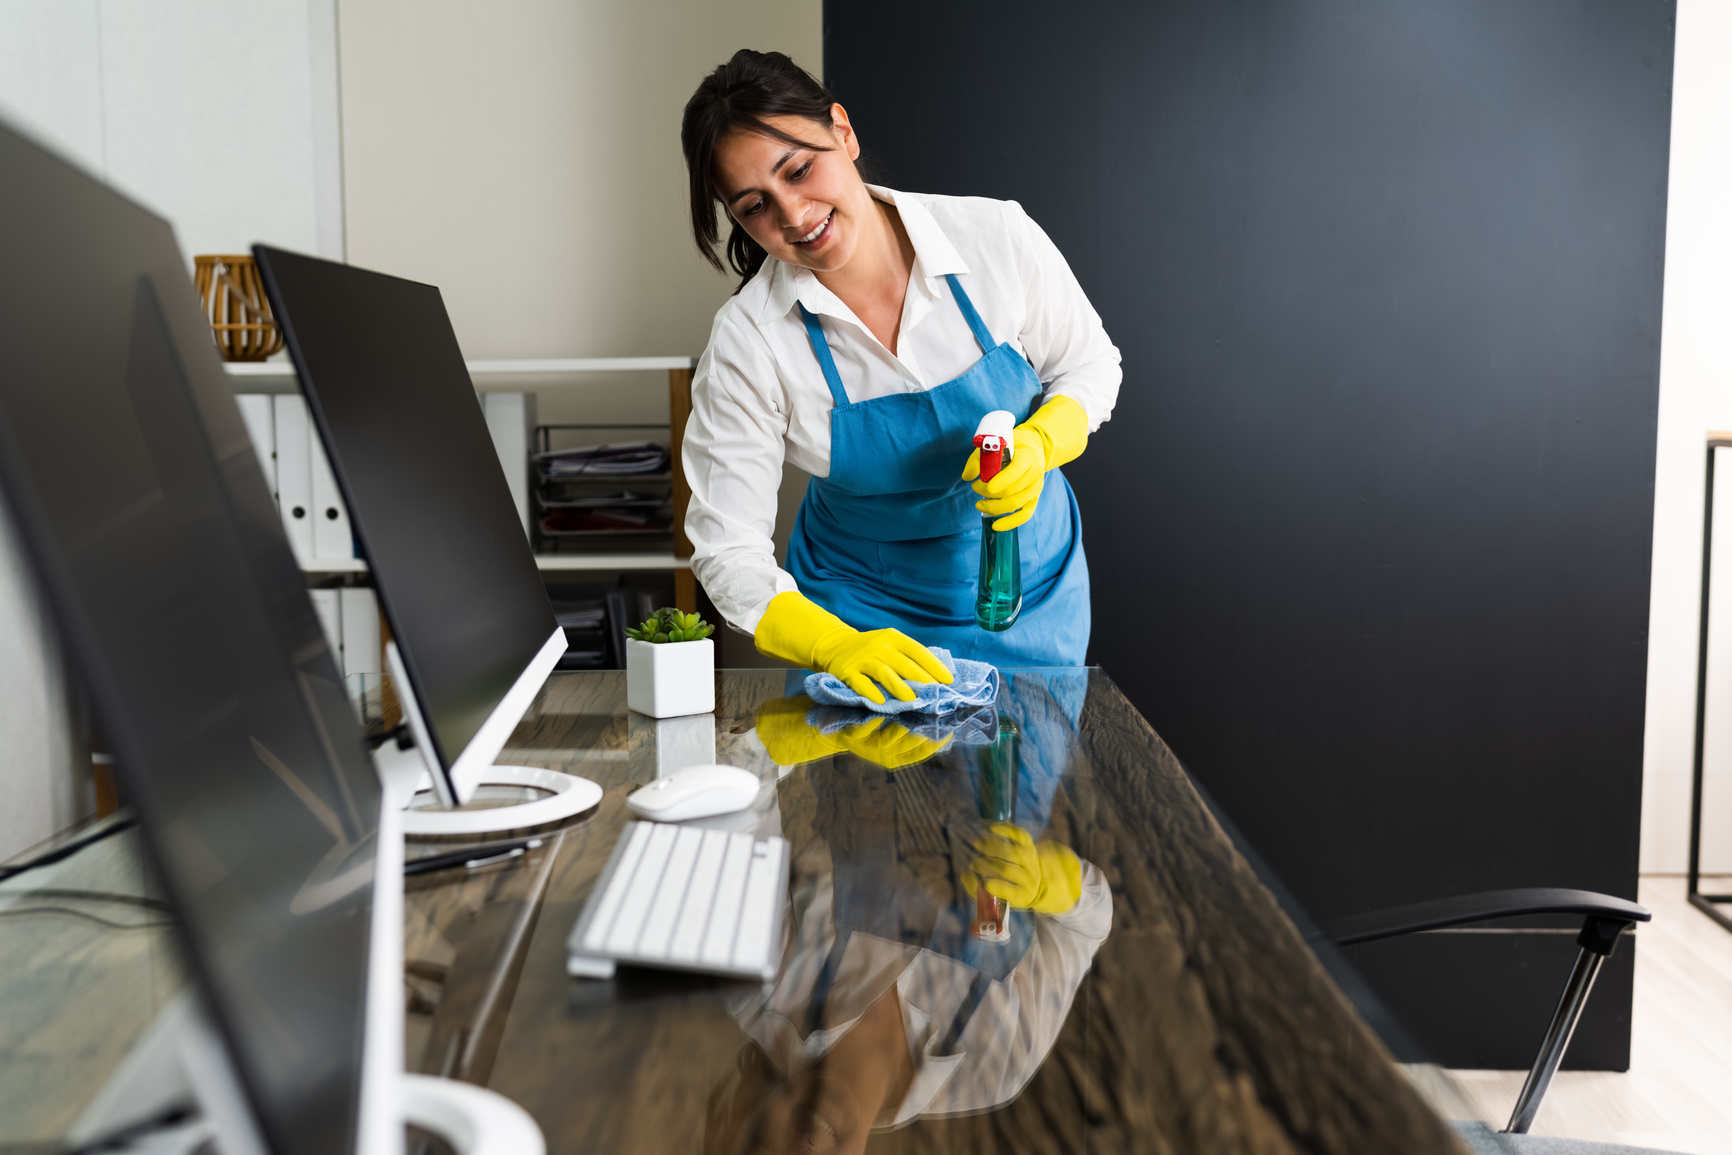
1201	1023
1173	1009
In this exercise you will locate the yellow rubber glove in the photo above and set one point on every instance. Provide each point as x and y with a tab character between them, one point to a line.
1054	434
796	629
789	740
880	740
888	743
1045	877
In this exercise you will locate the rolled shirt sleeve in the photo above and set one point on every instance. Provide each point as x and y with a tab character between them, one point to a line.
733	454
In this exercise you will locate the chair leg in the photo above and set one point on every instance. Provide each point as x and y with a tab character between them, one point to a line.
1576	992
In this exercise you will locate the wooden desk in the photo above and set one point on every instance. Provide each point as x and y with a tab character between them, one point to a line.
1203	1025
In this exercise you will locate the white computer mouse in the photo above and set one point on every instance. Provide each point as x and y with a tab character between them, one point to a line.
695	792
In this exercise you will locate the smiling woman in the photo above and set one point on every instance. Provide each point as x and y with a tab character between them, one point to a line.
871	332
767	96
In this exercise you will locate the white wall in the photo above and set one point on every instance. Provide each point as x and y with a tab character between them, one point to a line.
1695	395
219	115
524	156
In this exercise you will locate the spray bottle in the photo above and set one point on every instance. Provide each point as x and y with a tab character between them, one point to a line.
998	598
1000	766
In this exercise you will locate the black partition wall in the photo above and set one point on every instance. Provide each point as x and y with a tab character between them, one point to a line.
1370	527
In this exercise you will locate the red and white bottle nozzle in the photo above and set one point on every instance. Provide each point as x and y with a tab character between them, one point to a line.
993	438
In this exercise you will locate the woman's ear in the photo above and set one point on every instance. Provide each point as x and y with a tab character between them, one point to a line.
844	131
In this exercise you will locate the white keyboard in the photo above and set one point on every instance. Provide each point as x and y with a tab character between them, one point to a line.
684	898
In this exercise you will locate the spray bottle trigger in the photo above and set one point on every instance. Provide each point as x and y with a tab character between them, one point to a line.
995	438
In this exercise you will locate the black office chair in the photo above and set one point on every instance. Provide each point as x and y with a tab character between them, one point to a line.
1605	918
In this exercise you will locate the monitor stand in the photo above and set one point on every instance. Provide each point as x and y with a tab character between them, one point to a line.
567	794
181	1070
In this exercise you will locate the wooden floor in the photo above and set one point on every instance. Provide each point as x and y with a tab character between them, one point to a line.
1677	1095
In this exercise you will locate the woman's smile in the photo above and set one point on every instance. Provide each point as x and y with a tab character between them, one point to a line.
820	233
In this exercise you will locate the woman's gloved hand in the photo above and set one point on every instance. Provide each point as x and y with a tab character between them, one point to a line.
796	629
1044	877
1056	433
881	740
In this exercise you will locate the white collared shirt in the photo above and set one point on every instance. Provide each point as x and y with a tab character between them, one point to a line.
759	397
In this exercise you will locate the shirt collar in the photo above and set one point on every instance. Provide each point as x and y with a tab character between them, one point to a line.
934	256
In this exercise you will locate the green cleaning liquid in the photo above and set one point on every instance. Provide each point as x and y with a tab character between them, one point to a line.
1000	765
998	596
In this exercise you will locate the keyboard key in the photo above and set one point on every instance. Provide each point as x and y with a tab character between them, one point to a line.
724	918
622	939
596	933
758	909
700	899
671	894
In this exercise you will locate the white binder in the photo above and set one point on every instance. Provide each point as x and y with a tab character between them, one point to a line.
331	535
294	472
261	427
363	650
330	614
511	422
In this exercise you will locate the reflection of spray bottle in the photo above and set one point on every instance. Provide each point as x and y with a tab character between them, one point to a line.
999	766
998	598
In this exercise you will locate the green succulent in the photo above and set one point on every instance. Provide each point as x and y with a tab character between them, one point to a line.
670	625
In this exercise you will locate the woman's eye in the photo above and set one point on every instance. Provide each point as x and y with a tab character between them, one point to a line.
757	207
800	173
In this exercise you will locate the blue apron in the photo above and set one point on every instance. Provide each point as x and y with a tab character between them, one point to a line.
892	538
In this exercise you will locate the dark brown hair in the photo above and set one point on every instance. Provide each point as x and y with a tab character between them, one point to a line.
742	95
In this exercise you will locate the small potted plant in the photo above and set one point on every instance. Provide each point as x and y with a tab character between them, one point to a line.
670	665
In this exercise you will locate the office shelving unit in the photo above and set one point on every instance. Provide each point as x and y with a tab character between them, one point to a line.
279	377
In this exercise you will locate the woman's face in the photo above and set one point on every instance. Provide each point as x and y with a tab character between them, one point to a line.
804	206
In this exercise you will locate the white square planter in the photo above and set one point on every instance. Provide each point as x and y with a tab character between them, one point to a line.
670	679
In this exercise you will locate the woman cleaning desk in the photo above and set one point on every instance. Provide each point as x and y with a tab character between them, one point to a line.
871	332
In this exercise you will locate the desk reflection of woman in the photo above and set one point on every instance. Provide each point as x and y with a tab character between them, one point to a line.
862	1033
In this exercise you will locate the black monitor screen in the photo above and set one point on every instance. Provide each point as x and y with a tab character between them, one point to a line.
129	474
431	508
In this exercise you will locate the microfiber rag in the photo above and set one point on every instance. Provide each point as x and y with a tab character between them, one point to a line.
969	726
975	684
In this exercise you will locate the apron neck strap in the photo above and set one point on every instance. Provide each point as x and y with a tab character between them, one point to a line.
981	333
826	362
821	348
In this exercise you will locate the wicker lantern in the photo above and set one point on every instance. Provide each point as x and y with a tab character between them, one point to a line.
234	303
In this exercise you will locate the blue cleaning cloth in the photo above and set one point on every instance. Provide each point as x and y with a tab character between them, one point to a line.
975	684
970	726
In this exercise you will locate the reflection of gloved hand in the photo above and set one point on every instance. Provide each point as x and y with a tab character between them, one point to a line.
1043	877
1056	433
887	743
798	630
783	729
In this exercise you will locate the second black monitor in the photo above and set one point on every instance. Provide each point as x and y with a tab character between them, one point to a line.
434	517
